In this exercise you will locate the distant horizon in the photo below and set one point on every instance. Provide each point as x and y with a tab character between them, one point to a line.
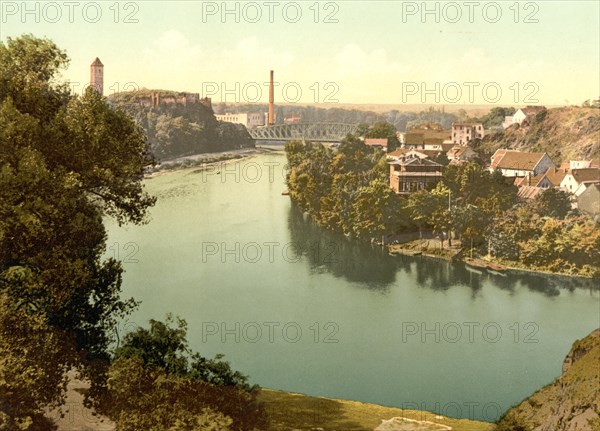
346	52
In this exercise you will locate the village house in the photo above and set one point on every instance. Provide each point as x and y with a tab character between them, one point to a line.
411	173
410	152
460	154
377	143
426	137
523	113
462	133
519	164
556	175
251	120
539	180
577	180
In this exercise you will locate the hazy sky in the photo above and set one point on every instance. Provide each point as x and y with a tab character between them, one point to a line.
544	52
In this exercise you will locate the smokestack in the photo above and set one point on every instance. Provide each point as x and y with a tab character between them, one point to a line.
271	101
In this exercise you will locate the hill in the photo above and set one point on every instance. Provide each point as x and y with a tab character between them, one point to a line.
180	124
567	133
570	403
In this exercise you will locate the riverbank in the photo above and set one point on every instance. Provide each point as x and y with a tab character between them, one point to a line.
203	160
287	412
290	411
433	247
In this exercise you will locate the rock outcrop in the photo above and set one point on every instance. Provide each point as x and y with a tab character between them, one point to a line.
571	403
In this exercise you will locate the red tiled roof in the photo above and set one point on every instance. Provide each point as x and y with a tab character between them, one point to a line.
97	62
585	175
533	181
376	141
529	192
509	159
556	175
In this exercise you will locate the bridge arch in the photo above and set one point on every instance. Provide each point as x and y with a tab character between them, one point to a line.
320	132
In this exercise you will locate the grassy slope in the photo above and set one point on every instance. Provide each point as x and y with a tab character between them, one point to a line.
302	413
567	133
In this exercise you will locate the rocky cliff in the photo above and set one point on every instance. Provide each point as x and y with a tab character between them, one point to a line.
567	133
180	124
571	403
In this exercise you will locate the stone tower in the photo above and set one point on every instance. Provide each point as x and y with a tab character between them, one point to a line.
97	76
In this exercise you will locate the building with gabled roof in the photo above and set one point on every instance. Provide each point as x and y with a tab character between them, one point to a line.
576	177
460	153
556	175
527	112
519	164
409	174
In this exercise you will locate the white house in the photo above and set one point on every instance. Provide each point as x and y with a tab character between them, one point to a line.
250	120
528	111
574	180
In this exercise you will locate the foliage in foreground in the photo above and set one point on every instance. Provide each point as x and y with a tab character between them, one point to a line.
65	162
156	384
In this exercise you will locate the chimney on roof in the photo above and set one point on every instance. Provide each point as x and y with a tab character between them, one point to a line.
528	178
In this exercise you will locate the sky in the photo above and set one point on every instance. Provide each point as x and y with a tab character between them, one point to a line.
375	52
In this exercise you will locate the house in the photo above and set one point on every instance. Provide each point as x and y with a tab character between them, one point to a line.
377	143
527	112
462	133
425	137
414	140
519	164
508	121
412	173
588	202
581	164
251	120
584	186
406	152
460	153
556	175
576	177
539	180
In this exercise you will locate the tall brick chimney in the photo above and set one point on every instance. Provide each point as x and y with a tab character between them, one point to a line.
271	101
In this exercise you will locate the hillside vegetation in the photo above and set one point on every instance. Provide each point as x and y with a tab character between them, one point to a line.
572	402
175	129
567	133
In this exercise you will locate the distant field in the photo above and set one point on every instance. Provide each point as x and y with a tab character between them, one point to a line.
472	110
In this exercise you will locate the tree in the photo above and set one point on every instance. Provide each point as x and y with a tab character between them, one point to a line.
65	162
375	210
182	390
553	203
384	130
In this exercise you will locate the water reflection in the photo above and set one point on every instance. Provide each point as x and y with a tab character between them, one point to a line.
373	268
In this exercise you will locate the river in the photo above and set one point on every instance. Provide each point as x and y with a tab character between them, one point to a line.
304	310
